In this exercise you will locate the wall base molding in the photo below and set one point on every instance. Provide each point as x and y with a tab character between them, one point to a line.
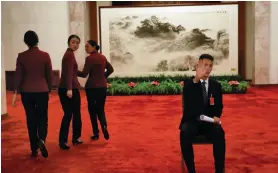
10	79
4	116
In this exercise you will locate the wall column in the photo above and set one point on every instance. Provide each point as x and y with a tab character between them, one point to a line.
262	42
79	25
3	85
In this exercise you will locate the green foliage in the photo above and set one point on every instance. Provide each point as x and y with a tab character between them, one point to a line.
176	78
166	87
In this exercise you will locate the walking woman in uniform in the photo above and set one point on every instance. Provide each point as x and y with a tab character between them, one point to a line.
69	96
33	77
96	86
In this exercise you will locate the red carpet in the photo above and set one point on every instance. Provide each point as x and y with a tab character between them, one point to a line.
145	137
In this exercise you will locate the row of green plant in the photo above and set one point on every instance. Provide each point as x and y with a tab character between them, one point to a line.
166	87
174	78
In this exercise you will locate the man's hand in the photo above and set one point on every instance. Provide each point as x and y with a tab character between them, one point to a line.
200	71
216	120
69	93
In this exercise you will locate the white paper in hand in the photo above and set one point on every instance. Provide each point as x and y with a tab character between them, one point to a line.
207	119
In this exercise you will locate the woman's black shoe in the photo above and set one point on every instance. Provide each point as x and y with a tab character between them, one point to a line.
64	146
77	142
105	133
95	137
43	149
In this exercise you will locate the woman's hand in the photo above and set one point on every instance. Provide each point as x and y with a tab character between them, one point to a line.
14	99
69	93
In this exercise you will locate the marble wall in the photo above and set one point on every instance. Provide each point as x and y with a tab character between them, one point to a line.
262	48
53	28
79	24
273	62
50	19
3	84
266	39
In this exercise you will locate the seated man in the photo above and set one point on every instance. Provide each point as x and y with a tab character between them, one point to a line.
202	96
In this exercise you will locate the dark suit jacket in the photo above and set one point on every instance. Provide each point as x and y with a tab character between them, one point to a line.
69	71
33	71
193	105
95	65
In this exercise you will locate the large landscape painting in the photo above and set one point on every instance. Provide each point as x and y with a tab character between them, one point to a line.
155	41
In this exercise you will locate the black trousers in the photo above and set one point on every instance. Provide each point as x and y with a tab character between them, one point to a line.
211	131
71	108
96	98
36	109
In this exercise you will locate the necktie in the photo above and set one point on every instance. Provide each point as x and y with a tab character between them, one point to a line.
205	95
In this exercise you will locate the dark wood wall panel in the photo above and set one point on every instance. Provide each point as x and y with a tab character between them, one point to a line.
147	3
122	3
241	38
93	20
10	79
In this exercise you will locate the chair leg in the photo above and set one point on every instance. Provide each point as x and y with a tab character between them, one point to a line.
182	164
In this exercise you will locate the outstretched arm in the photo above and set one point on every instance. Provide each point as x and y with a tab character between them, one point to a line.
86	69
